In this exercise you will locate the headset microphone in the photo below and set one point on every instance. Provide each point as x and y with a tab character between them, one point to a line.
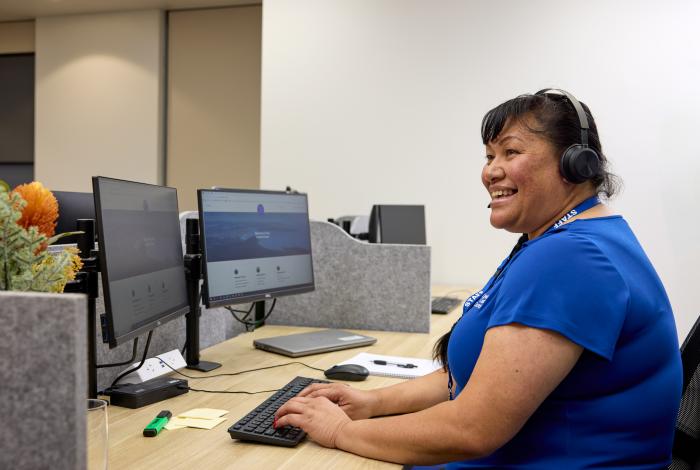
489	206
579	163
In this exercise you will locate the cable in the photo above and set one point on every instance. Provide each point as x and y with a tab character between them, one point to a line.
239	372
143	359
233	373
247	323
224	391
130	361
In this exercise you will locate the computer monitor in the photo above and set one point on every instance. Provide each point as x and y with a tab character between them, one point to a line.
71	207
256	245
141	260
401	224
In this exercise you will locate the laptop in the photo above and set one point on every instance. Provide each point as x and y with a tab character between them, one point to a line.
315	342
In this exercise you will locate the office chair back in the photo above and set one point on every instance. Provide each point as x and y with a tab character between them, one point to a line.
686	442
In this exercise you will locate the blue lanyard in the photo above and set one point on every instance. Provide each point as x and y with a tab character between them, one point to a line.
475	298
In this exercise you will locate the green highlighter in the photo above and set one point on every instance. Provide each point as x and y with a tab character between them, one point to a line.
157	424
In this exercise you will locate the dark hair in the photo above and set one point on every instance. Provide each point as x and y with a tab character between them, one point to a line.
552	116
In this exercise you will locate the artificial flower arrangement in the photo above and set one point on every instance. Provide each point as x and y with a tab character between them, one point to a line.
28	217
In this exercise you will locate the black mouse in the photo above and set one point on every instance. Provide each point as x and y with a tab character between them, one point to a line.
353	372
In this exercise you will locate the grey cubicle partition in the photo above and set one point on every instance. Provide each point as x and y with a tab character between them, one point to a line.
359	285
43	358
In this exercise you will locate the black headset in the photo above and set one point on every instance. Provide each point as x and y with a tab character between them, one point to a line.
579	163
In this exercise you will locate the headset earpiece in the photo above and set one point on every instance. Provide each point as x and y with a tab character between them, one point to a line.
579	163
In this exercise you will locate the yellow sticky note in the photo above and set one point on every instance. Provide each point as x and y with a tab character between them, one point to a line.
171	426
203	413
195	422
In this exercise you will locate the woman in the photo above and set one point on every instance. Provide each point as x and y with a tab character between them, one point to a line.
567	358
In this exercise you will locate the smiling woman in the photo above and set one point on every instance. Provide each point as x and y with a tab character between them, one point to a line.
550	365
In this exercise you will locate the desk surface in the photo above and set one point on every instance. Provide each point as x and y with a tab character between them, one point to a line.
197	448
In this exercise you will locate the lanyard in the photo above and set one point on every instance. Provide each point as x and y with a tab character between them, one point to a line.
476	298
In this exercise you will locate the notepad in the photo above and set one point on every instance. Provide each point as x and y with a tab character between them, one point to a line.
395	365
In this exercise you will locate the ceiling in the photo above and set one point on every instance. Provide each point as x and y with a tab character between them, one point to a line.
17	10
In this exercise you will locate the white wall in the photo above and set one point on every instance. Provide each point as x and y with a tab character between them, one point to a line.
99	87
367	101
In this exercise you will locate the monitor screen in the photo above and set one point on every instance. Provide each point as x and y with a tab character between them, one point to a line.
401	224
143	274
71	207
255	244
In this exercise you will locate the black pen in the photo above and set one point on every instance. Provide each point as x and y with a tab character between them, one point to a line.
380	362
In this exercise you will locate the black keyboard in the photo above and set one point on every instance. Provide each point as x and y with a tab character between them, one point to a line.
257	425
444	304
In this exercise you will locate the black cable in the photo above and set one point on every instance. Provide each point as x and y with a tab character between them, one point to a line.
247	323
130	361
239	372
225	391
247	312
143	359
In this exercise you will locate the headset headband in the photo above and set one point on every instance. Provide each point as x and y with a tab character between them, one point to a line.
582	119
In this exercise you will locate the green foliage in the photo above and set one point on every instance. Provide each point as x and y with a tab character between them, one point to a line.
25	264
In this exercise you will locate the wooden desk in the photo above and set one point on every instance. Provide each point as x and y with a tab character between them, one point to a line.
214	449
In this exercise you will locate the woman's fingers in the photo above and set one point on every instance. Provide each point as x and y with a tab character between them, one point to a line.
295	405
312	388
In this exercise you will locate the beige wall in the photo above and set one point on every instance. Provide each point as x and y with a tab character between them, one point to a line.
213	100
16	37
99	98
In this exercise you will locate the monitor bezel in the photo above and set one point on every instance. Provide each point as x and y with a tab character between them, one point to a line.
112	338
263	295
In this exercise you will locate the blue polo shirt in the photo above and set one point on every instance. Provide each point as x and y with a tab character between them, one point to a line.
590	281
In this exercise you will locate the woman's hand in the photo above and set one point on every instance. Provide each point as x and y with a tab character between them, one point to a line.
357	404
319	417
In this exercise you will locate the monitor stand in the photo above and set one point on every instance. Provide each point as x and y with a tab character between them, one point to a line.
87	282
193	275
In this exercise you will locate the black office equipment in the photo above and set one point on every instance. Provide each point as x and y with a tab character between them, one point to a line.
258	424
256	245
444	305
397	224
351	372
686	441
152	391
71	207
193	276
579	162
87	282
143	276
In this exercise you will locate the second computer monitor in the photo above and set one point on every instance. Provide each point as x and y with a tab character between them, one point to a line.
255	244
71	207
397	224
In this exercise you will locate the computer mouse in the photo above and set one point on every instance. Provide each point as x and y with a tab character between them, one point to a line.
353	372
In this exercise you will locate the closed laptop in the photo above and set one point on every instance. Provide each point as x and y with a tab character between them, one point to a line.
315	342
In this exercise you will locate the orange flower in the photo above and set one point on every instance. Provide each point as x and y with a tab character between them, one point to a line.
41	209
